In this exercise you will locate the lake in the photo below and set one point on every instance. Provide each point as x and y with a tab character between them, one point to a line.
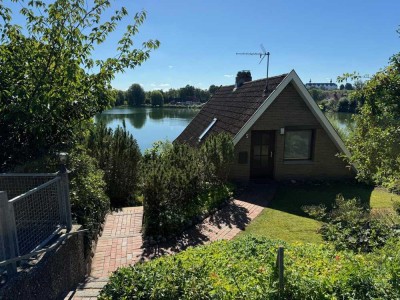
149	125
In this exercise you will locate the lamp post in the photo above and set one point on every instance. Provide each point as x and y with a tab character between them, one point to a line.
63	156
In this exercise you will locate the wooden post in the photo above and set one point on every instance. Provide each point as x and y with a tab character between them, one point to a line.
8	232
280	265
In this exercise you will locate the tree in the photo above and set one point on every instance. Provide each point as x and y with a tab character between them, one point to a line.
348	86
135	95
212	89
157	98
50	85
120	98
375	143
186	92
341	87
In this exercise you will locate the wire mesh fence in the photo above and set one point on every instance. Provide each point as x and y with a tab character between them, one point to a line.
18	184
33	209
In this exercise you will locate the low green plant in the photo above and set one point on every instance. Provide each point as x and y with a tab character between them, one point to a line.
246	269
350	225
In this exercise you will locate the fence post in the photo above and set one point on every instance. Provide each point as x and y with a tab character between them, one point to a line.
8	232
280	265
65	196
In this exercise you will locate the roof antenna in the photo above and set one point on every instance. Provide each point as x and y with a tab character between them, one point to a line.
262	55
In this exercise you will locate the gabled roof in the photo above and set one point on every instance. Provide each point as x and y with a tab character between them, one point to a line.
237	111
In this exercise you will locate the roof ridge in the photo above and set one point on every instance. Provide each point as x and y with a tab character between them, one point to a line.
272	77
247	82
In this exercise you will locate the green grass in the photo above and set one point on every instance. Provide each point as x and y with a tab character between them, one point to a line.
284	218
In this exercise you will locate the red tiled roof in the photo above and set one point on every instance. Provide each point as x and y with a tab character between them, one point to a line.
232	108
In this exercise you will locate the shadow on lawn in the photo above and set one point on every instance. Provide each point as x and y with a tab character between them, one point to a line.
291	198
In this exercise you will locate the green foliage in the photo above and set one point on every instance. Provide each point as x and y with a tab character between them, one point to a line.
50	85
375	144
245	269
218	154
318	94
89	203
135	95
348	86
120	98
172	182
180	183
118	155
157	98
350	225
212	89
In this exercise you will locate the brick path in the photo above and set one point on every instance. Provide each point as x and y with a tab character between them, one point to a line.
121	243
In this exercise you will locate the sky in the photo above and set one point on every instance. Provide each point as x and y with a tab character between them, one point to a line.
320	40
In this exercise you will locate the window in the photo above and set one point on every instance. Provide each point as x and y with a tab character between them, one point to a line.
298	144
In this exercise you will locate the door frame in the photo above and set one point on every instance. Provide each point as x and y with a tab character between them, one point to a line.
271	157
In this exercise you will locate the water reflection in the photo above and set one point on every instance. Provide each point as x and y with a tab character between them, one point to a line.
149	125
342	122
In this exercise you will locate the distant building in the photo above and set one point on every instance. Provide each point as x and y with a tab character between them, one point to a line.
322	86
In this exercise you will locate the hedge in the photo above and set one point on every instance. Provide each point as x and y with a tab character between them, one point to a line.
245	269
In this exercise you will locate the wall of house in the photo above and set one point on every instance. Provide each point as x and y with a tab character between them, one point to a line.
289	109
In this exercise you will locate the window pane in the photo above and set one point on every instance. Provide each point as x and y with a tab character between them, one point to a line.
298	144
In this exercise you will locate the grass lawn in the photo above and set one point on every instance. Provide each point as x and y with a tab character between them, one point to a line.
285	220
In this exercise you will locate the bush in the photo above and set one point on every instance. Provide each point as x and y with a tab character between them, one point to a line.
180	183
245	269
218	153
89	203
351	226
118	156
344	105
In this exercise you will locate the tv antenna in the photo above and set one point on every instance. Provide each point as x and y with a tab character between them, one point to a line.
262	55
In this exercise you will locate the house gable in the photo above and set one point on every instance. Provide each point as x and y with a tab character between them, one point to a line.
289	111
293	78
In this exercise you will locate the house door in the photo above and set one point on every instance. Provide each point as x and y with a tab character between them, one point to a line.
262	154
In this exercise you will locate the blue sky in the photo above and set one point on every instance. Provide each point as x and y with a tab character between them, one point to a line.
199	39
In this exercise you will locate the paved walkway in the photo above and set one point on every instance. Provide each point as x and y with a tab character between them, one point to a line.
121	243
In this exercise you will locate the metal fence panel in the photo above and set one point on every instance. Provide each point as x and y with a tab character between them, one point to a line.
37	215
17	184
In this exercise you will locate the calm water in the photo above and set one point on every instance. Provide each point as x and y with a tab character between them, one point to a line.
341	121
149	125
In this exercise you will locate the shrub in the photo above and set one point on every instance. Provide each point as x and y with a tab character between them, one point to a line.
118	156
349	225
245	269
217	153
344	105
172	182
181	182
89	203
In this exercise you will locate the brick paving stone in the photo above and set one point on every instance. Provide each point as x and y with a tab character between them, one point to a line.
121	243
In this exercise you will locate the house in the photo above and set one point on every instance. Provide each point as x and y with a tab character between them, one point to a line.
277	129
323	86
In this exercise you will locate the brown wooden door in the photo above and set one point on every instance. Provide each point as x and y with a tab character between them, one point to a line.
262	154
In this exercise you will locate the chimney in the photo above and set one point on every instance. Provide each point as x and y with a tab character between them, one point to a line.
242	77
